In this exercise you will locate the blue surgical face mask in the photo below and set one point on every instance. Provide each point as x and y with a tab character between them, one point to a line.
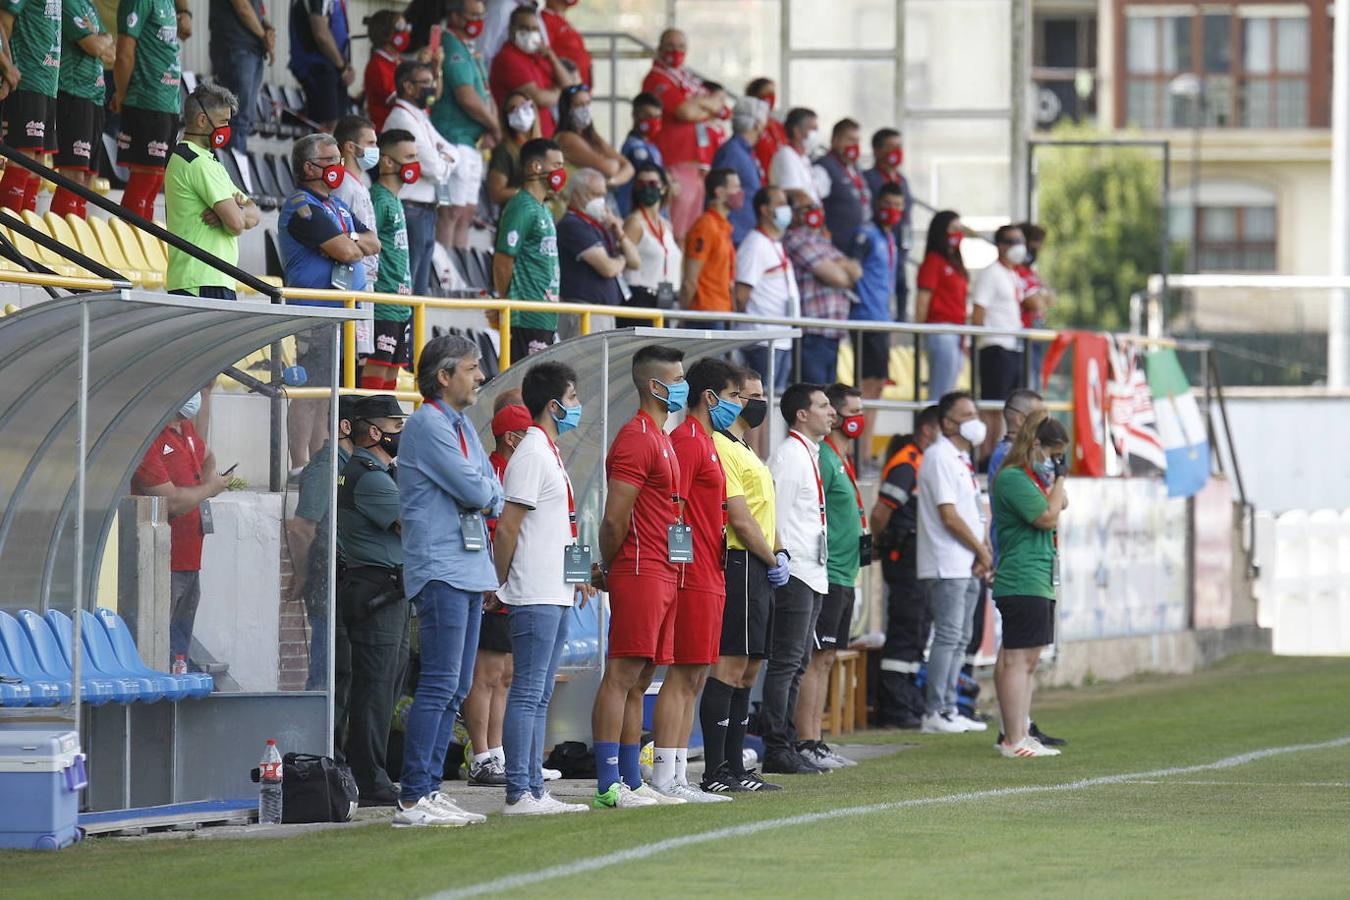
193	406
724	413
571	417
782	217
677	395
370	158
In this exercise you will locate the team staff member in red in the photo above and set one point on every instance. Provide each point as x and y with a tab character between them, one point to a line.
714	403
31	32
147	79
641	537
565	40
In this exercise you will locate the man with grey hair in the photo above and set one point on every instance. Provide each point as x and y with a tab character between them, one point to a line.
748	119
446	487
593	251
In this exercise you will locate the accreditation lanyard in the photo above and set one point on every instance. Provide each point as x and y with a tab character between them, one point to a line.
659	232
459	427
571	501
859	189
853	480
815	470
783	263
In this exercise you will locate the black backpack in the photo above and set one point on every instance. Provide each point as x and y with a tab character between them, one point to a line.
315	789
573	758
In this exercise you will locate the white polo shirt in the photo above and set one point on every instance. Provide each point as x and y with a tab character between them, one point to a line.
797	486
946	476
763	265
999	291
535	478
793	171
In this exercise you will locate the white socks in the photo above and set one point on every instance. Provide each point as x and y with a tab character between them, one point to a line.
483	757
498	754
682	765
663	766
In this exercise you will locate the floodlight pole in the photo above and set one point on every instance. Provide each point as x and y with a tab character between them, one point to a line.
1338	316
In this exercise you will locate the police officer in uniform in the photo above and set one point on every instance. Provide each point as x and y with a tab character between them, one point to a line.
370	597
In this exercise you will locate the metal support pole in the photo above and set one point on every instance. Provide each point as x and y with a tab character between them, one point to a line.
1019	118
82	455
276	470
1165	262
1338	315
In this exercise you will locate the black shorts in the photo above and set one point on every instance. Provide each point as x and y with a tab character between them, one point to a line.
314	352
326	98
495	635
876	354
30	122
747	620
393	343
525	341
835	619
146	137
79	127
1000	372
1027	621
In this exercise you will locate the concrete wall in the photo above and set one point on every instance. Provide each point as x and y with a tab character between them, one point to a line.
1285	442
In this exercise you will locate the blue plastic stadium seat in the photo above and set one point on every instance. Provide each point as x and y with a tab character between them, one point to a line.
94	689
13	690
99	650
43	688
130	687
193	684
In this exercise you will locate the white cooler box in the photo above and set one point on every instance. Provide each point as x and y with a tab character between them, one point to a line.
41	775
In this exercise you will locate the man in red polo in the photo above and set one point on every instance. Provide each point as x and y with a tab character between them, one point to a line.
527	64
179	468
565	40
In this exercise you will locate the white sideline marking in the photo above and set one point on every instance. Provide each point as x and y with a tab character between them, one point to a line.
580	866
1279	784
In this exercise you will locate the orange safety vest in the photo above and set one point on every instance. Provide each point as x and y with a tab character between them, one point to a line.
910	454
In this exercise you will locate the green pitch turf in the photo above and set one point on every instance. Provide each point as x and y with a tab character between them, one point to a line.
941	823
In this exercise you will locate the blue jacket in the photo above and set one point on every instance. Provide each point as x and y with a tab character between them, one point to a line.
737	154
306	221
880	259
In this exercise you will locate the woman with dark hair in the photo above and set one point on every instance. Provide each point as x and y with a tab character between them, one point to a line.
774	135
389	37
656	283
1028	499
941	299
581	143
520	124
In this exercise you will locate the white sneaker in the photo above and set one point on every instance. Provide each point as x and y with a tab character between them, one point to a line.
941	723
971	724
443	802
528	805
551	774
426	814
620	796
1025	748
560	806
688	793
649	793
815	753
835	755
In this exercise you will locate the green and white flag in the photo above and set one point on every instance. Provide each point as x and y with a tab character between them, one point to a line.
1180	425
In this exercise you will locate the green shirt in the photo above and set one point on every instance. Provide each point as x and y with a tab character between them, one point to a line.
843	527
526	233
81	74
155	81
395	275
316	486
1026	553
195	181
36	43
463	65
366	528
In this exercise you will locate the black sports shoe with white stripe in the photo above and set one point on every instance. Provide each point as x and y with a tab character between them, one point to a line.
721	781
751	781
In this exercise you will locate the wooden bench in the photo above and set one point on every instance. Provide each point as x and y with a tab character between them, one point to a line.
846	694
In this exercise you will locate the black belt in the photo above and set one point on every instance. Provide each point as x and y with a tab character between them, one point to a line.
420	204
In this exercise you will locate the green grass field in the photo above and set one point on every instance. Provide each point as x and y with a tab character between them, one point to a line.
938	820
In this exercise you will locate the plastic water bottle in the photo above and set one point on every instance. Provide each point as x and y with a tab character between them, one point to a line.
269	786
179	665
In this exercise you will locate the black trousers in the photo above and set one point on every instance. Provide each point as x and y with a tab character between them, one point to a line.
795	609
379	663
900	701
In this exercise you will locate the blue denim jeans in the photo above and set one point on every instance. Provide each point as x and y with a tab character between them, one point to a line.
448	620
757	358
952	602
240	70
421	224
538	633
820	359
944	364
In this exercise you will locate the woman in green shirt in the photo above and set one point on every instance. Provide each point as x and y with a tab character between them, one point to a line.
1028	498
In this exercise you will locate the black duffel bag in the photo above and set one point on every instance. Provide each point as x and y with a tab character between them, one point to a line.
315	789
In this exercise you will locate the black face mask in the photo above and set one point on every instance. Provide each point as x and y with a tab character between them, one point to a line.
754	412
389	442
1031	257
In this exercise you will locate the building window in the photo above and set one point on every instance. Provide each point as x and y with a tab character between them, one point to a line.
1064	67
1236	238
1275	73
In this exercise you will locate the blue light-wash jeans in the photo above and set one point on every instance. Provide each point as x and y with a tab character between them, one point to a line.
757	358
944	364
421	224
820	359
240	70
538	633
448	620
952	602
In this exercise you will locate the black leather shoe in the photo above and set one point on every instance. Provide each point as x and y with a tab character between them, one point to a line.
790	763
1044	738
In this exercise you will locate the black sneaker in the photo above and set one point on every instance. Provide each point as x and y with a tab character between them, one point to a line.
721	781
751	781
387	796
489	773
1044	738
790	762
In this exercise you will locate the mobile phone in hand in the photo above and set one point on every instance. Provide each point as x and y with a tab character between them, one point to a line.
434	39
229	471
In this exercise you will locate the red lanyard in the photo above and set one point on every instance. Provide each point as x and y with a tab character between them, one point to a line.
463	444
858	187
890	248
815	470
853	479
783	264
660	234
571	501
1042	488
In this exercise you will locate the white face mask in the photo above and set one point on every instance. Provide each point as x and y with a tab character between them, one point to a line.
522	117
193	406
596	208
1017	254
812	141
581	116
975	431
529	41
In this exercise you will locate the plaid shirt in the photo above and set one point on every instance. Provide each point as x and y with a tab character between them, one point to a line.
807	248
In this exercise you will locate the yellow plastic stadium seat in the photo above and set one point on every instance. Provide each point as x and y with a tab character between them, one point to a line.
50	258
132	248
32	251
110	253
59	229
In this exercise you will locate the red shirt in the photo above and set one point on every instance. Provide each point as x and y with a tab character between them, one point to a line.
380	88
679	142
1031	283
498	463
566	41
176	458
642	456
513	68
949	286
774	136
703	485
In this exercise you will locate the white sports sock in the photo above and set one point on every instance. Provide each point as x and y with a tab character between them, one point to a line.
482	757
498	754
682	765
663	766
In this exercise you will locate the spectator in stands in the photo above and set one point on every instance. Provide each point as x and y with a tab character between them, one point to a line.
825	280
687	108
423	17
536	531
32	31
875	248
355	136
1037	297
581	143
322	245
9	72
710	255
178	467
766	283
147	97
496	26
774	136
527	64
1026	507
397	168
888	154
525	266
370	592
942	285
416	90
444	477
791	169
738	154
565	40
464	113
241	40
848	204
389	37
593	250
321	58
953	555
86	47
201	203
997	303
521	126
639	147
656	281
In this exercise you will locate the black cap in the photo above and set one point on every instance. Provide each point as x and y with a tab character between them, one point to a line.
347	406
378	406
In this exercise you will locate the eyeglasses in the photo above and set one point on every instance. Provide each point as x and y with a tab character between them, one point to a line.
577	88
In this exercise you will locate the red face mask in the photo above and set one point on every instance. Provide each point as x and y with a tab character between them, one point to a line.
736	200
770	99
673	58
852	152
954	239
473	28
888	216
557	179
650	127
814	217
220	136
333	175
410	172
401	39
852	426
894	158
